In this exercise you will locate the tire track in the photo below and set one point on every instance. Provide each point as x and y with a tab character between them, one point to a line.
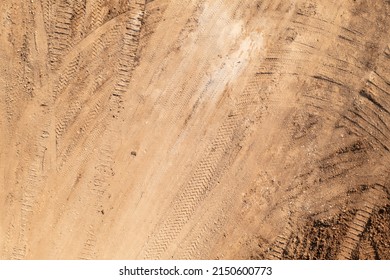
344	160
84	126
113	100
61	36
97	13
211	13
67	118
89	247
208	222
206	172
181	99
30	182
193	192
65	77
279	246
98	187
193	246
28	140
367	250
48	7
104	169
359	223
72	120
370	114
159	49
78	23
325	70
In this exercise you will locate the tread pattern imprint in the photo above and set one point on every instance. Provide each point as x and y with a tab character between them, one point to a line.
194	129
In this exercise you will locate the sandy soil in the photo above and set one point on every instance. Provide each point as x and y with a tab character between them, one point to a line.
194	129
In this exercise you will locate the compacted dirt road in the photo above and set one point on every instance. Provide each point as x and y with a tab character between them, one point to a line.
194	129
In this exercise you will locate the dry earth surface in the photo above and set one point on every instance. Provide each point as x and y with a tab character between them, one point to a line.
195	129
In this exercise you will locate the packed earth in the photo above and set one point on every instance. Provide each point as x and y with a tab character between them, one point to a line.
194	129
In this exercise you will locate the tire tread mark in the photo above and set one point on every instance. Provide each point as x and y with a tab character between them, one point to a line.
279	246
97	14
202	179
88	250
192	193
104	167
359	223
30	191
60	37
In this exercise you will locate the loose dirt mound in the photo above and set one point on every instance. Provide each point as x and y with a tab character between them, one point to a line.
194	129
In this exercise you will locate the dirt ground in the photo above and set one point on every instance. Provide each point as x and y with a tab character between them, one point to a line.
195	129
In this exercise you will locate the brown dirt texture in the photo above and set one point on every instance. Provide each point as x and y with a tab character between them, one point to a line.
194	129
